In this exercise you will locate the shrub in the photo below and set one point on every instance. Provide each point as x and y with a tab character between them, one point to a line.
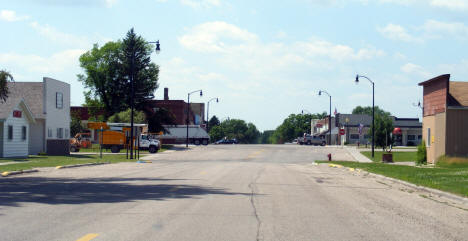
421	156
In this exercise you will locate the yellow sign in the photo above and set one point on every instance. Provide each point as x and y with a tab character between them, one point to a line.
432	139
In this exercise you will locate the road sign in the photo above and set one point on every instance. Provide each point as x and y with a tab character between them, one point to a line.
342	132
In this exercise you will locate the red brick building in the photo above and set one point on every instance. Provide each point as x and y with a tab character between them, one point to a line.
445	117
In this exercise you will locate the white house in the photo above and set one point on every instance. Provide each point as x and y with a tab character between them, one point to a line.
49	102
15	121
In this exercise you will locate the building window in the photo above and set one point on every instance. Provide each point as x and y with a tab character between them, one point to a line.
411	137
66	133
366	136
23	133
419	137
10	133
428	141
49	132
60	133
59	100
354	136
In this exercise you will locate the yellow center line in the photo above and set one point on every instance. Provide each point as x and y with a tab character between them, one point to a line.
88	237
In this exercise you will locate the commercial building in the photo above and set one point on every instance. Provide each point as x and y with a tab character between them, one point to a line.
445	117
357	126
49	104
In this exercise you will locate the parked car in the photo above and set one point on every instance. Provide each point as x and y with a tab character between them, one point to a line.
226	141
311	140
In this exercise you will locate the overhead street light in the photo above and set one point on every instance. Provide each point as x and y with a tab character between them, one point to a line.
132	96
208	112
373	109
304	110
188	113
329	116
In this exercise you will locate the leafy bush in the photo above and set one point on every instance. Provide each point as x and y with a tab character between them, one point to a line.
421	156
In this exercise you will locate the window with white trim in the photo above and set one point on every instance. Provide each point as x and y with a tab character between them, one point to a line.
10	132
24	132
60	133
59	100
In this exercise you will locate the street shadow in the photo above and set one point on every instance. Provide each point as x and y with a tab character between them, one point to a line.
14	191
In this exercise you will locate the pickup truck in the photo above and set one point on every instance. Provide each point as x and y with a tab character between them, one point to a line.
311	140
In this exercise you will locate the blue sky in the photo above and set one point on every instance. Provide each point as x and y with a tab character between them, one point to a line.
263	59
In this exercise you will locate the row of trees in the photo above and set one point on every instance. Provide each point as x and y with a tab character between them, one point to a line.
293	126
246	133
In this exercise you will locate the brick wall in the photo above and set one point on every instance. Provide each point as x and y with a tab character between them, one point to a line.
435	95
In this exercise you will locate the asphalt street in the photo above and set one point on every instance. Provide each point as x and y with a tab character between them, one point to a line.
229	192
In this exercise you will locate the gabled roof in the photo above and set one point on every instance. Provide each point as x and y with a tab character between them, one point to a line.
7	107
32	93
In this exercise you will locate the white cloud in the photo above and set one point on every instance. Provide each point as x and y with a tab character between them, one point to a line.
456	5
58	62
397	32
322	48
110	3
197	4
418	70
438	29
11	16
59	37
212	36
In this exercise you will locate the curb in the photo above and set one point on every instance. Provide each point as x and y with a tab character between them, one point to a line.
422	188
82	165
6	174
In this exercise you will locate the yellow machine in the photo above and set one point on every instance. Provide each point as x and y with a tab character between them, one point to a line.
111	139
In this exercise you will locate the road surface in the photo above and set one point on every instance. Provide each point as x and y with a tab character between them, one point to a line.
232	192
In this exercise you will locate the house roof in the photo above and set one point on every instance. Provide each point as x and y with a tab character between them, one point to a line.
7	107
459	91
32	93
440	77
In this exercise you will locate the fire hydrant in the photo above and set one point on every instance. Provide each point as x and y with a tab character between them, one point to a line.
329	157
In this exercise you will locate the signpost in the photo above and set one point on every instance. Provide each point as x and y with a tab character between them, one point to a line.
342	132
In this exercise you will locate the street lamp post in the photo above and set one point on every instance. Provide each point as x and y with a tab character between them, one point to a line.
329	116
132	96
208	112
373	109
304	110
188	113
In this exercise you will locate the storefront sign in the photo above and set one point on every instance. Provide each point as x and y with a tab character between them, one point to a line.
17	113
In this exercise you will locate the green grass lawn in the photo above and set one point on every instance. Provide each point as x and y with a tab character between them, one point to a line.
452	179
397	156
53	161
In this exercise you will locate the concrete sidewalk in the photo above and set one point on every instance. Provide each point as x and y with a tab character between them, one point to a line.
356	154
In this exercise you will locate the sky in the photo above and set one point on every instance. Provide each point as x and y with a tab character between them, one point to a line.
264	60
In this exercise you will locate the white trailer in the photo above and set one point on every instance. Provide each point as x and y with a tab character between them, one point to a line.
177	134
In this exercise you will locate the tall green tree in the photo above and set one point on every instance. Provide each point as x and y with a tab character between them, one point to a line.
107	72
383	128
367	110
5	77
214	121
137	61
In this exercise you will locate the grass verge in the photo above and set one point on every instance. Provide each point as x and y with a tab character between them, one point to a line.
53	161
397	156
452	179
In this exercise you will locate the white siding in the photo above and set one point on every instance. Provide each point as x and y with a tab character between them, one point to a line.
56	117
17	147
37	137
